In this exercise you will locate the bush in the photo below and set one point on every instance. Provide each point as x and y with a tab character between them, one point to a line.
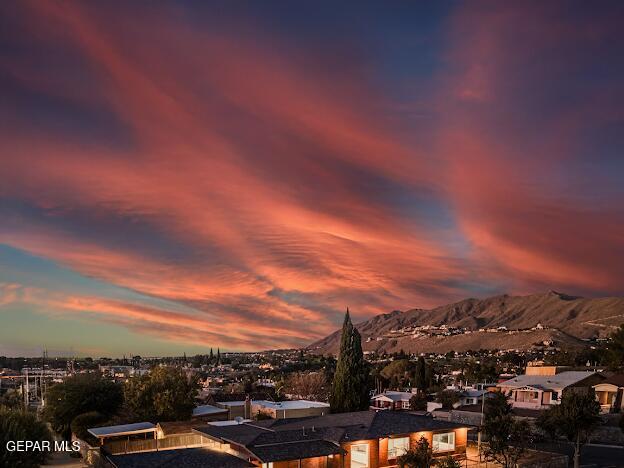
85	421
20	425
448	462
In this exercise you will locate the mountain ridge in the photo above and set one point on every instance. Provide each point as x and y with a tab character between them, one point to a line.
564	319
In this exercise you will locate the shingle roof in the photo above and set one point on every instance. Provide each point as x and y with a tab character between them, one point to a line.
201	457
276	439
296	450
557	381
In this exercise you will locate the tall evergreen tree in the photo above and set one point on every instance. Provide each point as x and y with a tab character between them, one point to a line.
211	355
350	385
420	378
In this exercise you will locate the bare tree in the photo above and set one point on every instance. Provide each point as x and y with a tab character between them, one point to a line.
310	386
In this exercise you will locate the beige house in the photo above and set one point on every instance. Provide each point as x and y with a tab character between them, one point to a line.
542	389
609	394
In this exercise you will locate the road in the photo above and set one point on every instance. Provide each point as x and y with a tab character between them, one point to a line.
592	455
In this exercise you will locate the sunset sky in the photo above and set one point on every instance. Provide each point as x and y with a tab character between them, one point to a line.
181	175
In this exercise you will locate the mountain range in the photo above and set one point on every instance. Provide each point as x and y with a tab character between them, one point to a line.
499	322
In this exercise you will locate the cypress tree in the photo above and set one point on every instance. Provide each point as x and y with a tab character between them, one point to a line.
349	390
420	379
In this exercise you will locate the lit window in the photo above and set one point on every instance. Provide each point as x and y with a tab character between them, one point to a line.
444	442
359	456
267	465
398	446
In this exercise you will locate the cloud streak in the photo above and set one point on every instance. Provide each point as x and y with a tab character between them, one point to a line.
261	190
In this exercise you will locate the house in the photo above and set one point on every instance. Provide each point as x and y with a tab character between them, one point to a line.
610	394
471	396
540	390
391	400
363	439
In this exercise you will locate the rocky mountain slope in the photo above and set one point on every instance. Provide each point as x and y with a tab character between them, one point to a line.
564	320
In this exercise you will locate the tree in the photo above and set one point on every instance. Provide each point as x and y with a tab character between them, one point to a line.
165	394
507	437
11	400
398	373
448	398
420	377
574	418
418	402
420	456
19	425
84	421
615	348
79	394
307	385
350	385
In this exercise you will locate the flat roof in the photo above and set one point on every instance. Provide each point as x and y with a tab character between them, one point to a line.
204	410
557	381
228	423
288	405
123	429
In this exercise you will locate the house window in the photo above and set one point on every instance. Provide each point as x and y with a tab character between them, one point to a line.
444	442
398	446
406	404
359	456
267	465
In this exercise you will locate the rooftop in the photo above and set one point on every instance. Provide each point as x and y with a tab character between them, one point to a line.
123	429
278	439
205	410
557	381
289	405
395	396
201	457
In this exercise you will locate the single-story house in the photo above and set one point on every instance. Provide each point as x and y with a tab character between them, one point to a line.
363	439
541	391
610	394
391	400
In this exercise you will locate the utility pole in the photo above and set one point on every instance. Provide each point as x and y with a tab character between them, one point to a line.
481	425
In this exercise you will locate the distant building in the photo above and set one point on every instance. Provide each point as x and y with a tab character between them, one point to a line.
249	408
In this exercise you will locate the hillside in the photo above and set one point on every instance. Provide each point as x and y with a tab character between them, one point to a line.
566	320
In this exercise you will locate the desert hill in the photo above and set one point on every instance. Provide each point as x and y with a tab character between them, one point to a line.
563	320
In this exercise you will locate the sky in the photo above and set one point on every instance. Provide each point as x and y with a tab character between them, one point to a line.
176	176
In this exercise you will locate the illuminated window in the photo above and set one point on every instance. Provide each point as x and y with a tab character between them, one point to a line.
398	446
444	442
359	456
267	465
